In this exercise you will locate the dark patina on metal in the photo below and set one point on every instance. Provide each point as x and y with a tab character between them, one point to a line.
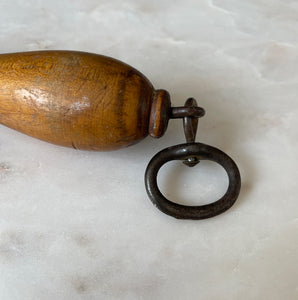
191	153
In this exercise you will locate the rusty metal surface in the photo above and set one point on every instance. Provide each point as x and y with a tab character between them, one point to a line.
201	152
190	154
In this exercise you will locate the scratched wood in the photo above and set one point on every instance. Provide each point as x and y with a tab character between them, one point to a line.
75	99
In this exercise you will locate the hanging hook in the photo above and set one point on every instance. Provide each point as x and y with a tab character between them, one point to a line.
191	153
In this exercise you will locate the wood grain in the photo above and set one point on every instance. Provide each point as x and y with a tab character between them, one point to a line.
160	113
74	99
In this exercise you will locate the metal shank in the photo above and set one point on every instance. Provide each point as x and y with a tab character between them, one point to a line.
201	152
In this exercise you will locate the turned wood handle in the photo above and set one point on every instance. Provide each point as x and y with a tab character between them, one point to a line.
80	100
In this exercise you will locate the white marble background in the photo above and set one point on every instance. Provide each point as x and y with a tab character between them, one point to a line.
79	225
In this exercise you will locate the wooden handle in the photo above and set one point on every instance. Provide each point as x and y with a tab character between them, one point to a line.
79	100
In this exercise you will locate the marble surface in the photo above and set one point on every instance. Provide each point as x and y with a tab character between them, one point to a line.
79	225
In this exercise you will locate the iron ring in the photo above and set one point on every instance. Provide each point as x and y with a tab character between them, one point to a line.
201	152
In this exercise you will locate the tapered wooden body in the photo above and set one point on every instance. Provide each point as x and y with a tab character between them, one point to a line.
75	99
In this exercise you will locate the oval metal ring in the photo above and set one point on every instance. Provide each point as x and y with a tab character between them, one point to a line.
200	152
